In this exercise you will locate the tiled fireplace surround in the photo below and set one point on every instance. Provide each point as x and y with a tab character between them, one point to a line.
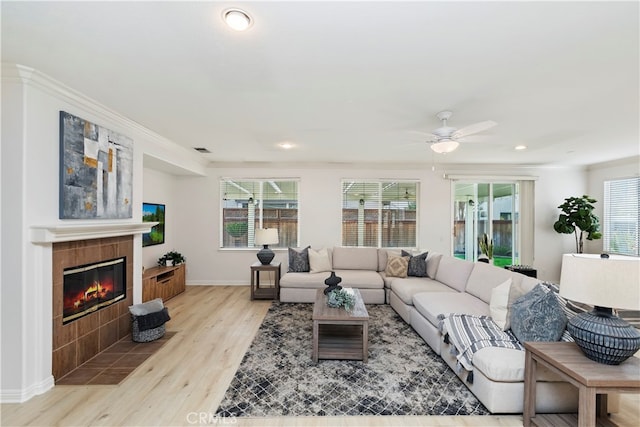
78	341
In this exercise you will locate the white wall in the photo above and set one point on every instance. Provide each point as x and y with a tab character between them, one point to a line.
320	213
160	187
31	104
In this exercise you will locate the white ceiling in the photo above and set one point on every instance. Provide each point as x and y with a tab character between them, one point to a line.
351	81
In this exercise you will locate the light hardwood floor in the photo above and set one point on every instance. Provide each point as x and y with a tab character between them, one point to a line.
183	383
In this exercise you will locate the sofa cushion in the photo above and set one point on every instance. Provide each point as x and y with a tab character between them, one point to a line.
397	266
299	260
319	261
506	365
417	264
498	306
355	258
431	304
303	280
433	260
406	288
361	279
516	290
538	316
483	278
454	272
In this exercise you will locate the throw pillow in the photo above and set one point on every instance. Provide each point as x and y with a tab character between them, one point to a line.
515	291
397	266
299	260
499	303
319	261
417	264
537	316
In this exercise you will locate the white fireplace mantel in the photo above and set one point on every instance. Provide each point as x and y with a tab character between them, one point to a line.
70	232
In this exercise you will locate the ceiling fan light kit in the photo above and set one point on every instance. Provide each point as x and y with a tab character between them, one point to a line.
445	146
446	139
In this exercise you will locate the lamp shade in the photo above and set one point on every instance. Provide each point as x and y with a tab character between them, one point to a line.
266	236
606	282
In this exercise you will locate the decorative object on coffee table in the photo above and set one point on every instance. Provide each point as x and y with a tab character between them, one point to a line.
266	237
332	282
602	281
343	297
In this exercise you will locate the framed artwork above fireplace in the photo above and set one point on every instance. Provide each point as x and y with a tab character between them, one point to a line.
96	171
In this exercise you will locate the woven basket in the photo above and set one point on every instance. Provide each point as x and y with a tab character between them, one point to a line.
148	335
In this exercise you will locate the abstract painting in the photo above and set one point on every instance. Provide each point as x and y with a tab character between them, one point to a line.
96	171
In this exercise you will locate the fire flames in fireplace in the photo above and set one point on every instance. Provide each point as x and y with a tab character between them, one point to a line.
88	288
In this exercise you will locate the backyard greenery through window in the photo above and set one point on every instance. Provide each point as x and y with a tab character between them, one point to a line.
379	213
622	216
250	204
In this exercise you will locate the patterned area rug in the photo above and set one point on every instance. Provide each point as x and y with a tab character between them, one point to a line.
403	376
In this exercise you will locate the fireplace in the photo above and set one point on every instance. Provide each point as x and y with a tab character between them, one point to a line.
91	287
92	292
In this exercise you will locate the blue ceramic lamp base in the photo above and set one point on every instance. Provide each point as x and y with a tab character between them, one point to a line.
603	336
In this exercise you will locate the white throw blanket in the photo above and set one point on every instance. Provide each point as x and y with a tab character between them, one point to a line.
468	334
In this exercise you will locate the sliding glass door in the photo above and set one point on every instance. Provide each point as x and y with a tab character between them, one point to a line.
490	208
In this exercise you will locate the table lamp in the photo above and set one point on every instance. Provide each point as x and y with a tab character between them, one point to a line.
266	237
606	282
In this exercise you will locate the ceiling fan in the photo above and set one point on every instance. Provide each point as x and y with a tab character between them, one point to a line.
446	139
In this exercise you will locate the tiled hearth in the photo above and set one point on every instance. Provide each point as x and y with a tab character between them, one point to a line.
77	342
115	363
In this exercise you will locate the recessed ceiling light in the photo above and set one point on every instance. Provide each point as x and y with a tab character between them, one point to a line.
286	145
237	19
520	147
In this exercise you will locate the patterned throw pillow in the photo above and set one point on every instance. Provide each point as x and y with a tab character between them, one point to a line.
537	316
417	264
397	266
299	260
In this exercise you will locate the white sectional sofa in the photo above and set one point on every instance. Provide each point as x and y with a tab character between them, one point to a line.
358	268
451	286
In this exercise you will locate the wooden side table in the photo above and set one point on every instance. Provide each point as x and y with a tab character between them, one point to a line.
592	379
265	292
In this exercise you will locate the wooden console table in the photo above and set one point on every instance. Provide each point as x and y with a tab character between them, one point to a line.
265	292
163	282
592	379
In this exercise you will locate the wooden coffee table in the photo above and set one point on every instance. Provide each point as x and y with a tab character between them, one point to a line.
339	334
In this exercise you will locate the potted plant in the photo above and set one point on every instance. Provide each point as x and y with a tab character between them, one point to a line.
236	230
577	214
486	246
171	258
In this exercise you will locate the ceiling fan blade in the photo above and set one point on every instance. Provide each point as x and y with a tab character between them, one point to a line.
474	128
472	138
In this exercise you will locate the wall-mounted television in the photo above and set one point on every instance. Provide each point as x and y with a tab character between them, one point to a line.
153	212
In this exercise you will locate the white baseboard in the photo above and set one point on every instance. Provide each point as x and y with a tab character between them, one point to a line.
20	396
216	283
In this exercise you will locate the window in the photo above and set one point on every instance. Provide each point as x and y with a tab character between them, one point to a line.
379	213
249	204
622	216
487	208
